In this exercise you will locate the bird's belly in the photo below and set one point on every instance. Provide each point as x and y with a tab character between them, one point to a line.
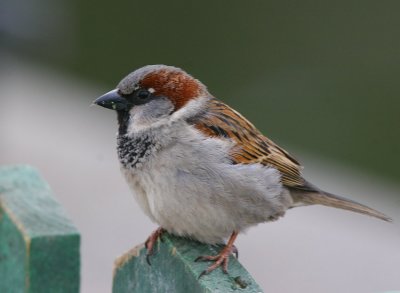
203	206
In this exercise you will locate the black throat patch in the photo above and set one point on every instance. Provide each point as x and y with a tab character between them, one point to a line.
133	151
123	120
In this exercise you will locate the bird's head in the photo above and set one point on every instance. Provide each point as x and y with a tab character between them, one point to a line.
150	94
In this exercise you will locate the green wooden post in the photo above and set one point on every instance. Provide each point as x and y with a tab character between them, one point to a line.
39	246
173	270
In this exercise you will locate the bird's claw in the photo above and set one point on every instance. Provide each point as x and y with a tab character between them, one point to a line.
148	258
203	273
221	260
151	241
235	251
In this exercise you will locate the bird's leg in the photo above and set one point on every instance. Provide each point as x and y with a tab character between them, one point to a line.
151	241
222	258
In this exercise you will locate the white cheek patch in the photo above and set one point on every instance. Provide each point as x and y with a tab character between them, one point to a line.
151	90
192	108
151	114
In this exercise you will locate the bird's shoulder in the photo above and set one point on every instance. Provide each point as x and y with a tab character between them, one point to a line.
251	146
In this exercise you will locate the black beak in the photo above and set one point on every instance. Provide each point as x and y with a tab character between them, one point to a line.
113	100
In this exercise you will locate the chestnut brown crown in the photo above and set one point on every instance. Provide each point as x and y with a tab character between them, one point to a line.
166	81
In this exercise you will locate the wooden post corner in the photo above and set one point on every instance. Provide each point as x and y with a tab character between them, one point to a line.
39	245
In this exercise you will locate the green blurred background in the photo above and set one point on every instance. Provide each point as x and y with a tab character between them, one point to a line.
320	75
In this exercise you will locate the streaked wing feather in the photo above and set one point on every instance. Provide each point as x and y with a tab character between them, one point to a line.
252	147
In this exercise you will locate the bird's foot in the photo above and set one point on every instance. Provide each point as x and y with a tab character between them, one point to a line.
151	241
221	259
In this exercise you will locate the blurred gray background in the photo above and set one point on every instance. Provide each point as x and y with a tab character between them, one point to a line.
320	78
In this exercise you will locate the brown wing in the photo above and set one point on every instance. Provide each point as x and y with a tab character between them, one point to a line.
252	147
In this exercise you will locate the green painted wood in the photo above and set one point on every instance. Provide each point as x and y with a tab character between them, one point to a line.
39	245
173	270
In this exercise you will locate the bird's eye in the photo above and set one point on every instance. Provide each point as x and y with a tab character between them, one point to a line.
143	94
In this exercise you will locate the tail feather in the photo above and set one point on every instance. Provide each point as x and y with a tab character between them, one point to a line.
317	196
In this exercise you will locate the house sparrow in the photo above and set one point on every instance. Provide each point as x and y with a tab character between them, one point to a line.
198	168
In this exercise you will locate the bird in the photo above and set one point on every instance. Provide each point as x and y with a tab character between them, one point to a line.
198	168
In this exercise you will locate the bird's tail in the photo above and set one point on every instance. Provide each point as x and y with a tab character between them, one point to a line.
317	196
